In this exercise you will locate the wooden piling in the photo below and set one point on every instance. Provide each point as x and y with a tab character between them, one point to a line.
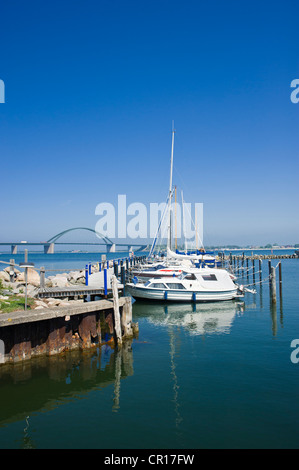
126	318
123	275
280	280
42	277
117	325
273	284
270	268
260	269
253	271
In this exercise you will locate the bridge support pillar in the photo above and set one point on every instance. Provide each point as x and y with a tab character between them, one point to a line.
49	248
14	249
111	248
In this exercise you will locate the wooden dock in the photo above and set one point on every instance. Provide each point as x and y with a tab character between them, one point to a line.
74	292
241	256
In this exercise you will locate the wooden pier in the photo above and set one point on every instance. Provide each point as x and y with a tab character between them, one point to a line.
74	292
226	256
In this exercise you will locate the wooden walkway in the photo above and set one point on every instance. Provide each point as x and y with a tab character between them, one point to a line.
73	291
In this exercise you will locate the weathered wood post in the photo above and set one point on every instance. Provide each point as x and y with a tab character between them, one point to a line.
273	285
247	268
280	281
117	325
260	269
42	277
122	274
253	270
269	266
115	267
126	318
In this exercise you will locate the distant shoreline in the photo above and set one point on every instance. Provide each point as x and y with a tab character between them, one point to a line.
257	249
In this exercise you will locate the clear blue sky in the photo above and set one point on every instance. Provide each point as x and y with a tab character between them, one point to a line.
91	90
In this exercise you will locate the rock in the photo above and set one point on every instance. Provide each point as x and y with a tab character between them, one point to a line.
54	302
6	292
76	277
32	277
31	289
4	276
60	281
41	304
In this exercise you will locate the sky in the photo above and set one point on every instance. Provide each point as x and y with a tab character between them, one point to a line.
91	91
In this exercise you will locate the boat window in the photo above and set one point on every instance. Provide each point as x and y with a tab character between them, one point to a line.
175	285
190	276
209	277
158	285
147	283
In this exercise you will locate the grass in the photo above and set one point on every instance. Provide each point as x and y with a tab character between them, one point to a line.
13	303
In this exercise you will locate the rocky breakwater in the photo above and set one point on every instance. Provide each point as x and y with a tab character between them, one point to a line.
12	288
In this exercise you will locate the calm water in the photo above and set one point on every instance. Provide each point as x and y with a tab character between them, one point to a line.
210	376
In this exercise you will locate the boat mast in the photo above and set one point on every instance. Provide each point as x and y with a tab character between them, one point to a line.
176	238
184	227
170	190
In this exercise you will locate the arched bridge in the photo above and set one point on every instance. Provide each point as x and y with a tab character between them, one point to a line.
49	245
106	240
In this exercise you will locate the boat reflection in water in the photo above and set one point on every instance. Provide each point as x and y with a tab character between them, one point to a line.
197	319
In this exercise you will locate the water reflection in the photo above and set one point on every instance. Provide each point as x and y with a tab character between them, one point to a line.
46	382
197	319
27	441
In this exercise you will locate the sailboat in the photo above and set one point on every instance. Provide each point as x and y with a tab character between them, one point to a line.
178	279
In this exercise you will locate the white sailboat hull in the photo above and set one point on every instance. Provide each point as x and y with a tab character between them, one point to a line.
179	296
